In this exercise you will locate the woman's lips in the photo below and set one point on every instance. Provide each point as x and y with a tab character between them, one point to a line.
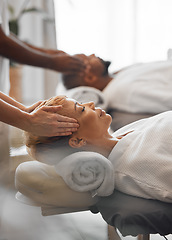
102	112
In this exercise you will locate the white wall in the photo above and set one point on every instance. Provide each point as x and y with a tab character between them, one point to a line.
103	27
37	83
123	31
154	24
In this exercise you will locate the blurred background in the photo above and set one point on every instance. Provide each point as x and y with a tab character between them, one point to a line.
122	31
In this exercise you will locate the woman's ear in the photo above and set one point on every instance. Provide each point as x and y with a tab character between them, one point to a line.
75	142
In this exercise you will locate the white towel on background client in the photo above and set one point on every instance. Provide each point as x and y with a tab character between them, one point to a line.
84	94
87	171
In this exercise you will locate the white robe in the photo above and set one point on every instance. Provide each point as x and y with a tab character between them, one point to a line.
142	159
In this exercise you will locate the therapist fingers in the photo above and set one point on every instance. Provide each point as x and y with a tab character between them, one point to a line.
60	118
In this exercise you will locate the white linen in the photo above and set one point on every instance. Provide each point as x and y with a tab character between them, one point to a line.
142	160
142	88
84	94
87	171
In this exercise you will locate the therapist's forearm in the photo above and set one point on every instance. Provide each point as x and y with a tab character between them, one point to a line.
13	116
43	50
25	55
11	101
21	53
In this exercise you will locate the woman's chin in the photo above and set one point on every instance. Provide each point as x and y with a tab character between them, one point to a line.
108	116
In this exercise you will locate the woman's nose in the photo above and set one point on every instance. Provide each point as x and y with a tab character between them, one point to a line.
91	105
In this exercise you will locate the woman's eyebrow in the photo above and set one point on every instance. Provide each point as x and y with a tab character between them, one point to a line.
75	105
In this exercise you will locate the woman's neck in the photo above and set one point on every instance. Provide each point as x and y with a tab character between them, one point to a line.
104	145
110	142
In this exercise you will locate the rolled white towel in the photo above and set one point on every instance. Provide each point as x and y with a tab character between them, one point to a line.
87	171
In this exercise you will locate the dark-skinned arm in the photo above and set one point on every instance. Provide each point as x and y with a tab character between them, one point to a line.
43	50
22	53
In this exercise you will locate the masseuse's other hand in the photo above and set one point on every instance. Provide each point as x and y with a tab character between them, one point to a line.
65	63
32	107
45	121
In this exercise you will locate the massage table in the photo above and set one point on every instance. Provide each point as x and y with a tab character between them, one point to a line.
135	216
130	215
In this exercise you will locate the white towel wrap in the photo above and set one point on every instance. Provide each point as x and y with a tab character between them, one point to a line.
87	171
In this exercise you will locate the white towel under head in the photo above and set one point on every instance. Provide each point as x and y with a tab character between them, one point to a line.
87	171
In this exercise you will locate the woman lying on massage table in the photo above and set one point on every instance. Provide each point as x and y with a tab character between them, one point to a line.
140	156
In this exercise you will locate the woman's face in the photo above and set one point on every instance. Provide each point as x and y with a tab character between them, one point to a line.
94	122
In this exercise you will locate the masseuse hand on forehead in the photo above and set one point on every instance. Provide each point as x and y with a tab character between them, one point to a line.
53	123
37	119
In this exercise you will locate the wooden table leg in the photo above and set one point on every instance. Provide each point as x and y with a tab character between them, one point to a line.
112	233
143	237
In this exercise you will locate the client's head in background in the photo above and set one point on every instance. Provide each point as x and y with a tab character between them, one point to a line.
96	74
92	135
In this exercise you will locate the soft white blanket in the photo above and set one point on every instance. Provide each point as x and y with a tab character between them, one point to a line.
87	171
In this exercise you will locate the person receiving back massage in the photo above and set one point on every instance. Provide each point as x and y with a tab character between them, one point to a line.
138	158
139	88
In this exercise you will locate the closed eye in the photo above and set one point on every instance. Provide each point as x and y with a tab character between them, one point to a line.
77	104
